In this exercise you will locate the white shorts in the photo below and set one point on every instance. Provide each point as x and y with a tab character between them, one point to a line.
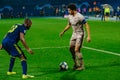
77	39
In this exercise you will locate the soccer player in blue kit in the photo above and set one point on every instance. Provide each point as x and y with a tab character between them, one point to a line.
9	44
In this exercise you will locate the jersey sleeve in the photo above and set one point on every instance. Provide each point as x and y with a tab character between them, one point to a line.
82	19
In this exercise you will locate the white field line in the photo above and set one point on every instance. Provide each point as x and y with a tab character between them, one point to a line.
51	47
108	52
94	49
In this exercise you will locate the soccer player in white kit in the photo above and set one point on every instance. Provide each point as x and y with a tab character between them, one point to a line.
76	20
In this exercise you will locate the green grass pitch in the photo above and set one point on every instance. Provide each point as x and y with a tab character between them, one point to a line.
50	50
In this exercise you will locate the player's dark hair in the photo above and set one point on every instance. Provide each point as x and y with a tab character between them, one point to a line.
27	21
72	6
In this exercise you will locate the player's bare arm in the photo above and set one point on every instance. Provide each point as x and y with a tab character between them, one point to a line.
66	28
88	32
24	43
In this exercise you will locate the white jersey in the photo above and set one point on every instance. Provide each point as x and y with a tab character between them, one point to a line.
76	22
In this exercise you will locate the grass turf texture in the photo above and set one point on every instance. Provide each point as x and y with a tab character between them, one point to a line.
44	64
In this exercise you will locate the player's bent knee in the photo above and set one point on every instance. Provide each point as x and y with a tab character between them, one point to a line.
72	47
77	50
22	58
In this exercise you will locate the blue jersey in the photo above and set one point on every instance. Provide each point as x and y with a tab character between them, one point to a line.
13	35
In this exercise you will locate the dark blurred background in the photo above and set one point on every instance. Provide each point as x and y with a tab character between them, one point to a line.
42	8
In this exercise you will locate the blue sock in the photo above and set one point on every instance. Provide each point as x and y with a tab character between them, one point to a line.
12	60
24	67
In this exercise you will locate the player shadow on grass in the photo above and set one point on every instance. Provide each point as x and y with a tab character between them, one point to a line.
45	71
60	75
70	75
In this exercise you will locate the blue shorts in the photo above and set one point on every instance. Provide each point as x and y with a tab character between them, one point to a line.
13	49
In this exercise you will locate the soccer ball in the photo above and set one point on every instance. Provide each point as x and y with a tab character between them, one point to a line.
63	66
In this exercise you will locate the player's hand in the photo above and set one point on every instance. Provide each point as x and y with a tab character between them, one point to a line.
30	51
61	34
0	47
88	39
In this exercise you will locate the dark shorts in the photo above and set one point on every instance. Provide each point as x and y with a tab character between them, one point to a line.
107	14
13	49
